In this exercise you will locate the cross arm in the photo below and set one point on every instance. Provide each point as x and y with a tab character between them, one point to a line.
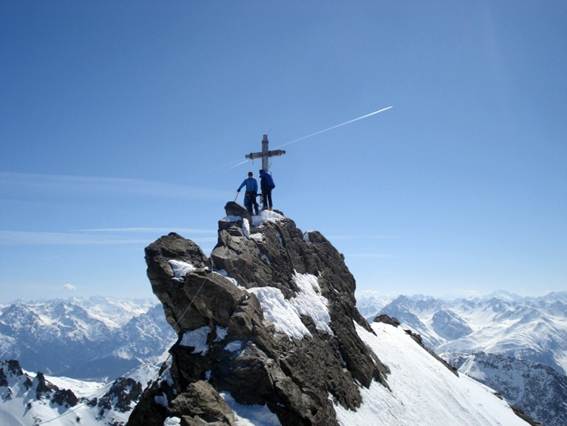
272	153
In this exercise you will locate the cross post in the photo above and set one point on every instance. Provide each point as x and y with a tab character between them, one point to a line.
265	154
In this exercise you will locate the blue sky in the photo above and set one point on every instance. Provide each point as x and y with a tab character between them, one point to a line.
119	121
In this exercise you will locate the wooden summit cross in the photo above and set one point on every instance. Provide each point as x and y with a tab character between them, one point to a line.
265	154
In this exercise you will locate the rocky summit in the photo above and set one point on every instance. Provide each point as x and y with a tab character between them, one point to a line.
268	320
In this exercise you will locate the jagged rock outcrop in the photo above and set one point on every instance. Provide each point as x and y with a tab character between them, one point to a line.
268	319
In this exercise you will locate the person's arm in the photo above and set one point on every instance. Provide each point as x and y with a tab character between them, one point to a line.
241	185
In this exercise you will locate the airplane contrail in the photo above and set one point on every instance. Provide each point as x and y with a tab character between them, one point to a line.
336	126
318	132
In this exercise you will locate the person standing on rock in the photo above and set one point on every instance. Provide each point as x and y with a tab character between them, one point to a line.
266	185
250	194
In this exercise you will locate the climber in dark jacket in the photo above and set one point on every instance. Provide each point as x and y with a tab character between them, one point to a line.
266	184
250	194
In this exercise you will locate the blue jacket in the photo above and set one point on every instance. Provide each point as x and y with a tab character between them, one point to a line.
250	184
266	181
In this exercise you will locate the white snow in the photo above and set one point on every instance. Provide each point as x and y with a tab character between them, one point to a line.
310	302
284	313
280	312
81	388
423	391
266	216
197	339
231	218
246	228
234	346
251	415
221	333
224	274
172	421
180	269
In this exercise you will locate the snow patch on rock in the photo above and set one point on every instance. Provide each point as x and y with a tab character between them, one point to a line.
310	302
285	314
172	421
197	339
251	415
180	269
235	346
280	312
266	216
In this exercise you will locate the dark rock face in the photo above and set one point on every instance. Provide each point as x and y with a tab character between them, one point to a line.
226	342
3	379
43	387
65	397
386	319
120	396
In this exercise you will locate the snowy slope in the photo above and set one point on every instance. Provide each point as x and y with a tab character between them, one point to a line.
423	391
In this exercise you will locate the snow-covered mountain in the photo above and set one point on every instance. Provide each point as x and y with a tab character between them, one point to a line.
83	338
538	389
33	398
517	345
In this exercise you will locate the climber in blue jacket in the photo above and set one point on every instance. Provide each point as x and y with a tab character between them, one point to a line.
250	194
266	185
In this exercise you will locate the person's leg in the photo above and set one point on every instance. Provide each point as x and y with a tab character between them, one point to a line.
255	204
248	202
264	200
269	200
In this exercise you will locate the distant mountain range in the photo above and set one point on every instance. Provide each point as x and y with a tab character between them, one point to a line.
516	345
95	338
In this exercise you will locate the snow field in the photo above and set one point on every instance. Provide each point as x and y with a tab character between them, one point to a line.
423	391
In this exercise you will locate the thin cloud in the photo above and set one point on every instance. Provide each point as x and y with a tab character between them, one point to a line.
69	287
150	230
38	238
370	255
71	184
360	237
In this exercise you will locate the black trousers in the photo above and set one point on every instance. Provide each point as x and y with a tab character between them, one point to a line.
267	197
249	201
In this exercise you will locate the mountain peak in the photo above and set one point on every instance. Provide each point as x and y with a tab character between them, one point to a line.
268	318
